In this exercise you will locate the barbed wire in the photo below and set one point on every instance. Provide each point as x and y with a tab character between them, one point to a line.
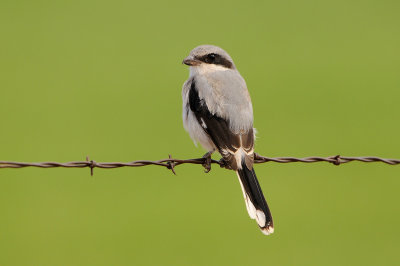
171	163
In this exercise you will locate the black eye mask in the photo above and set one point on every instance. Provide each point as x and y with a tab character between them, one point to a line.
215	59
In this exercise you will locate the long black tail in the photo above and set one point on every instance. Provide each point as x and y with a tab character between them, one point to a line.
254	198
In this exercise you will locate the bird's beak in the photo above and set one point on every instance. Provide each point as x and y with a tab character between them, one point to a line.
190	61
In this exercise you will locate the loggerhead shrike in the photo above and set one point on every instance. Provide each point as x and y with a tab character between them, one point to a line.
217	113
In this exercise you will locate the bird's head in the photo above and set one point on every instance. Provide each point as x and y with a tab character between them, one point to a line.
209	57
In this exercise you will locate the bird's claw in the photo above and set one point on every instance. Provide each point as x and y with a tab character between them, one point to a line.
223	164
207	162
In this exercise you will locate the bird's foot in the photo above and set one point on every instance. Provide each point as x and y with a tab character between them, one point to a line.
207	162
223	163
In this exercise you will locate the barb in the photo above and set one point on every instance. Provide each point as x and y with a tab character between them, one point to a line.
171	163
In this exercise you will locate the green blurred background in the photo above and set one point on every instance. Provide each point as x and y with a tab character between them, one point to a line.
103	78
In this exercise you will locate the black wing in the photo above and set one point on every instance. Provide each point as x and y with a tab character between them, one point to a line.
218	129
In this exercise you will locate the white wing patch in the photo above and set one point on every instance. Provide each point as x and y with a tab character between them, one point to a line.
203	124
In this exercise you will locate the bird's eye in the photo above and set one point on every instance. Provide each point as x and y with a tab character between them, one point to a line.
211	57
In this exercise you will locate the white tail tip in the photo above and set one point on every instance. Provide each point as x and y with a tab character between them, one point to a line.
267	230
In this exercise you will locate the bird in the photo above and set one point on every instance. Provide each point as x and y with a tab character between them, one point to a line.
218	114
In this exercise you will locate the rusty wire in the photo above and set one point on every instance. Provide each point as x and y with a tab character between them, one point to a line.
171	163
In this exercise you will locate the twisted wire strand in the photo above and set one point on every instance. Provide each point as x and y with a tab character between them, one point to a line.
171	163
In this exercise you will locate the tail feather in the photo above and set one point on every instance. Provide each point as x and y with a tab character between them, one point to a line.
255	202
